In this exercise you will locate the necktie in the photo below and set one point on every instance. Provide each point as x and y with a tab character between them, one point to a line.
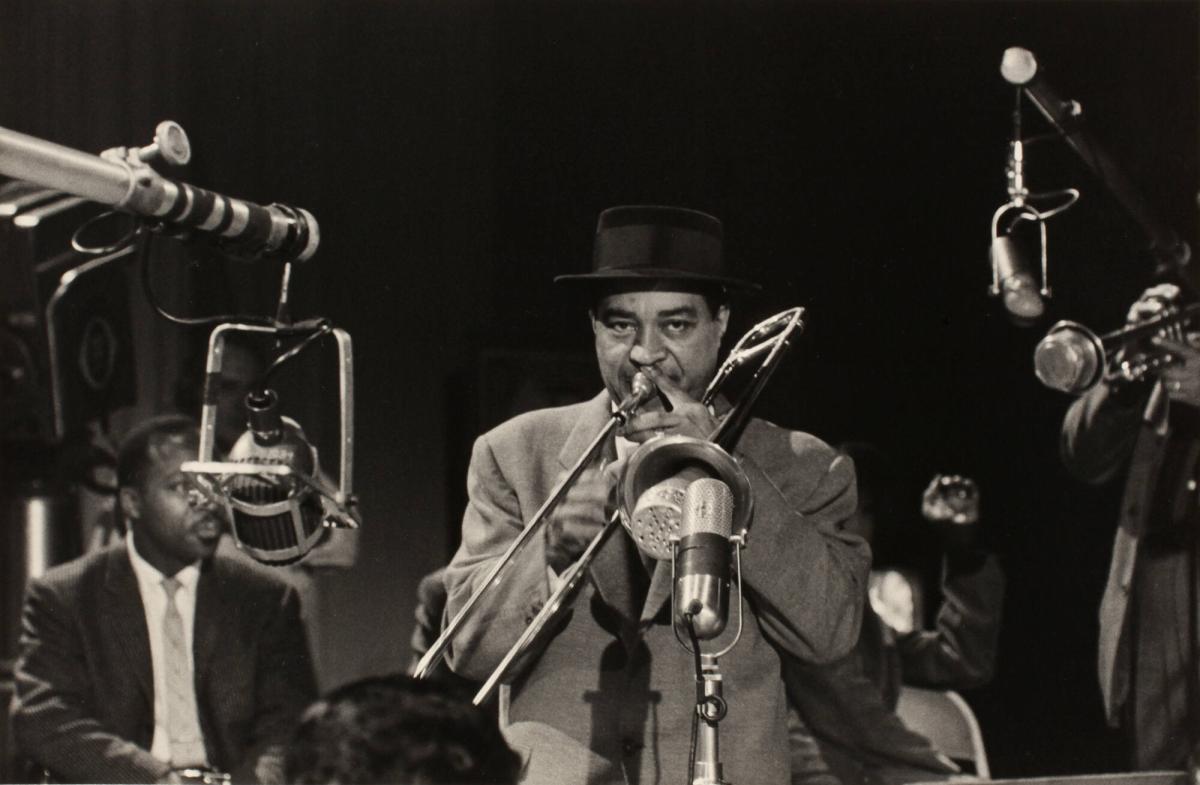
183	726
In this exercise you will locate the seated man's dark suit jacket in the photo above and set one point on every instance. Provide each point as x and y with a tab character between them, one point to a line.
84	704
849	706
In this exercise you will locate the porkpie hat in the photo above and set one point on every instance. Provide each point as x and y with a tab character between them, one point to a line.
660	245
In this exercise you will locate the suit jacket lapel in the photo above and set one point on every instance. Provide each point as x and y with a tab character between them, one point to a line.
659	592
594	417
124	614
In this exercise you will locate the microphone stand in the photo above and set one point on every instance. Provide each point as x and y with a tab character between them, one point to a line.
704	765
711	709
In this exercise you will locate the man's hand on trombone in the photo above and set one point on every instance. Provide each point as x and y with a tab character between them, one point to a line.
687	417
582	513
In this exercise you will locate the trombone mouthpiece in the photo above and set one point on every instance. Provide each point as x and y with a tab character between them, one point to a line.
641	389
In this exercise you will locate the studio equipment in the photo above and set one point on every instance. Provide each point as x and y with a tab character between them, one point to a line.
270	483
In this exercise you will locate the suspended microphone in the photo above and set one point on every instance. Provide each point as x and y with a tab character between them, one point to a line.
1011	272
276	519
276	231
1017	287
270	484
702	558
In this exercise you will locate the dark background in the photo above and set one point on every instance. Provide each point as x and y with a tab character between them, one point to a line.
456	155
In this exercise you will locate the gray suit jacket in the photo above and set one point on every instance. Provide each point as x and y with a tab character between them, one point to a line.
84	703
608	683
1100	434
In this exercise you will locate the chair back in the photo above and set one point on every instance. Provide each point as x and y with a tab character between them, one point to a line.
943	717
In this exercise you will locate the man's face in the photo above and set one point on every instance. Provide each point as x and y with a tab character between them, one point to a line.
674	331
239	370
171	528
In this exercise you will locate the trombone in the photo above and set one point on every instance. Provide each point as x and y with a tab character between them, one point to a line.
770	338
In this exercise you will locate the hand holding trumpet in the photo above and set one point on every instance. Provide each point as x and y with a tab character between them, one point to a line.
1181	376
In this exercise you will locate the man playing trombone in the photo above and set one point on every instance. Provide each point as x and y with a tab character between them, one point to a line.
606	693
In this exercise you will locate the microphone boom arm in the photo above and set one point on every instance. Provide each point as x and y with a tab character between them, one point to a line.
273	231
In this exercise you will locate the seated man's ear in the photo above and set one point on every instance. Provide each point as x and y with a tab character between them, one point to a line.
131	503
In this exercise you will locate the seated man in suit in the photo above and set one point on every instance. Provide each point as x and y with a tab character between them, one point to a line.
154	658
608	695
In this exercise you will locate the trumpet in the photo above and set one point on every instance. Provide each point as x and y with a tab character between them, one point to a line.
1073	359
656	517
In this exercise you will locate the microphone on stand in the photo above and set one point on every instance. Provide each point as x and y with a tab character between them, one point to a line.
702	557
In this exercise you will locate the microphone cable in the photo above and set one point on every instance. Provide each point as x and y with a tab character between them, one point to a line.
691	629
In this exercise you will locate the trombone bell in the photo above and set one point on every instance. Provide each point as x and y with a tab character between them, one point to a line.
652	490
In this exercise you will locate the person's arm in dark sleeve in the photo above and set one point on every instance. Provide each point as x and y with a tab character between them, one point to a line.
961	651
1100	428
54	721
805	574
285	685
844	708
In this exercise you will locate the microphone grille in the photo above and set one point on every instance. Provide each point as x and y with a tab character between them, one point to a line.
707	508
656	516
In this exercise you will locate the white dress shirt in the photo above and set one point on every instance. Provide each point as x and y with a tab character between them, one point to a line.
154	603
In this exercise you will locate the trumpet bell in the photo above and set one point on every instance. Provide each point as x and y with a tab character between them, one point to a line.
1070	358
651	492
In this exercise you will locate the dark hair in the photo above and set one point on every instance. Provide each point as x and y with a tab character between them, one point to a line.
876	473
881	490
136	452
401	730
